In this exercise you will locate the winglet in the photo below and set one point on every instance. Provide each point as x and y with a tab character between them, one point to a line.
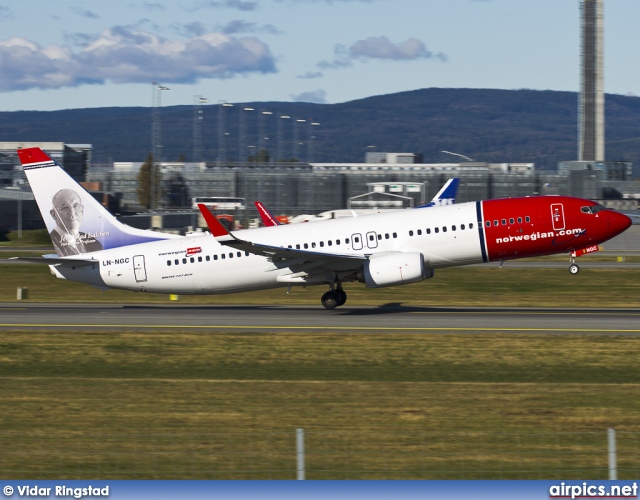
267	217
215	226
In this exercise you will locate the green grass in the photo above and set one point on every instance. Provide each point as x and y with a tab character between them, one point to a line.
466	286
175	404
39	237
199	405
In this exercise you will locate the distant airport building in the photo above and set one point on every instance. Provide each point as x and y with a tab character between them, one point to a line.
395	158
75	158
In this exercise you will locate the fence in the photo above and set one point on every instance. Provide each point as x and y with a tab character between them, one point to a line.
320	455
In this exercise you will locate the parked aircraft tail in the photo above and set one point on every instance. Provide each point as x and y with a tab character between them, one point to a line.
446	196
76	222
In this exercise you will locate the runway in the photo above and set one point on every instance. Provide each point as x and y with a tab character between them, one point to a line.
391	318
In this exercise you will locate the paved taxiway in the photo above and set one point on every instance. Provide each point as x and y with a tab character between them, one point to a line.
388	318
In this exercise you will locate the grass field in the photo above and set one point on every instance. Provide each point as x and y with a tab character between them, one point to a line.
176	404
478	286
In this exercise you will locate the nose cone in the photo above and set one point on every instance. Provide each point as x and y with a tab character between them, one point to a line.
619	223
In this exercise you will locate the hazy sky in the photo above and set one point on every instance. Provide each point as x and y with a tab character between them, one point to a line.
76	54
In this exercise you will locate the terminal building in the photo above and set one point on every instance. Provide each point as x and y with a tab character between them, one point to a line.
309	188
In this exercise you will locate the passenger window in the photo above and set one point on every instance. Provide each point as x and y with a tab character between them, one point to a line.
519	220
329	243
437	230
453	228
512	221
184	261
488	223
428	230
504	222
199	259
395	235
168	263
207	258
346	241
313	245
386	236
419	232
461	227
496	223
176	262
246	254
444	229
322	244
239	254
527	219
222	256
215	257
298	246
231	255
306	245
471	226
379	237
410	233
192	259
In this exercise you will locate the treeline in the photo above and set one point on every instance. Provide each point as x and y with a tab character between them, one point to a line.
486	125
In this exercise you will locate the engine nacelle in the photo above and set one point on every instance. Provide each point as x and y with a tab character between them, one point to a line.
395	268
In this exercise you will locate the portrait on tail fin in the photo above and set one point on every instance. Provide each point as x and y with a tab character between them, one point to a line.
67	212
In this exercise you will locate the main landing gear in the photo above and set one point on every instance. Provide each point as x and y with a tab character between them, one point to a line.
334	297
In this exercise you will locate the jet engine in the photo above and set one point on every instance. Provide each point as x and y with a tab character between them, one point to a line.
395	268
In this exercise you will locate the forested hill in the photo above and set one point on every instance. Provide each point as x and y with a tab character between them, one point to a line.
487	125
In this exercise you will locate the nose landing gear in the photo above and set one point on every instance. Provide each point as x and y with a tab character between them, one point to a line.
573	267
334	297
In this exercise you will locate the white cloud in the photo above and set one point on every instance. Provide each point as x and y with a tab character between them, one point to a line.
380	47
120	55
316	96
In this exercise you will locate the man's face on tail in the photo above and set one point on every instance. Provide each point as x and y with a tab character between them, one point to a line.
67	211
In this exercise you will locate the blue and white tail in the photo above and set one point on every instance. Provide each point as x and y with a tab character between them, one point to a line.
77	223
446	196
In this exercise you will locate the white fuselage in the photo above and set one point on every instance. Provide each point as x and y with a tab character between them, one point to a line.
201	265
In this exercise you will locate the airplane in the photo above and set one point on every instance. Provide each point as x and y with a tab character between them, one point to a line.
446	196
389	249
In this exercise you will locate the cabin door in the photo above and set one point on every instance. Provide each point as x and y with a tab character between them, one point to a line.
557	216
139	268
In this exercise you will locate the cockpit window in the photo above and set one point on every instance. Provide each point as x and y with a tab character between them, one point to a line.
594	209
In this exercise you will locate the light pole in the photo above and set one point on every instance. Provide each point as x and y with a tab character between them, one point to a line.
280	138
458	154
296	149
156	142
198	101
243	134
368	153
310	149
262	139
222	131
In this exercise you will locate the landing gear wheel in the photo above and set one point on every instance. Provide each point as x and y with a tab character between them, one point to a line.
343	296
574	269
330	300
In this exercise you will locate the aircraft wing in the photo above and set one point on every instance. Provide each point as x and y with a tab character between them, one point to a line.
303	259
